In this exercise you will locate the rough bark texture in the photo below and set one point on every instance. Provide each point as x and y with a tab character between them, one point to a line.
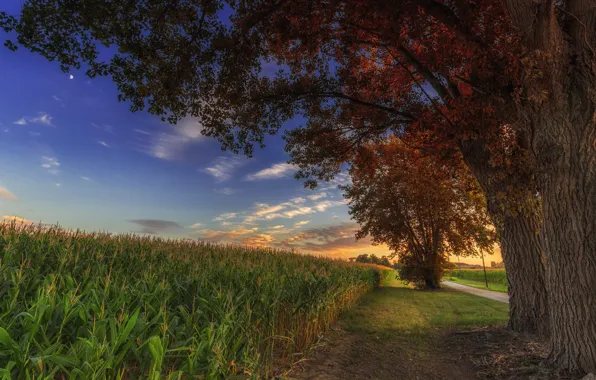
558	111
522	247
568	187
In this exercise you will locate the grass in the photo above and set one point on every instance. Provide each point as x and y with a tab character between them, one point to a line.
81	306
479	284
401	310
497	278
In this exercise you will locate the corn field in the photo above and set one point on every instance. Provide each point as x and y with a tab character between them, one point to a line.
497	276
76	305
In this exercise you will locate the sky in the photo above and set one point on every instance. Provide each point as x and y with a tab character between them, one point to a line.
71	154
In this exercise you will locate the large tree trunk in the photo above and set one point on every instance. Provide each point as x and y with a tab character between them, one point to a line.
557	110
567	150
522	249
522	246
570	224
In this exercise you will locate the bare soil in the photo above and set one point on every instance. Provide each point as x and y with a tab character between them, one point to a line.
481	354
348	355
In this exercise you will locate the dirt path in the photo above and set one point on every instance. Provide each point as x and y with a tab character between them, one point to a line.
353	356
401	334
496	296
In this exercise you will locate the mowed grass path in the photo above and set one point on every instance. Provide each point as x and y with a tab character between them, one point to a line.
399	309
479	284
497	279
397	332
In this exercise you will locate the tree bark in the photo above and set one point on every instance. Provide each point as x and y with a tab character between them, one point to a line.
568	187
522	246
558	111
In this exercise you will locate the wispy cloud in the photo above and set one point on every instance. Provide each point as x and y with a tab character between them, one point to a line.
4	193
275	171
103	143
104	127
226	216
298	200
171	145
196	225
59	100
16	219
85	178
225	191
317	196
324	205
340	179
222	167
302	223
41	118
235	236
155	226
287	210
51	164
330	240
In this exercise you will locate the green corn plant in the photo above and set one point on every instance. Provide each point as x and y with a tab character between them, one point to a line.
81	305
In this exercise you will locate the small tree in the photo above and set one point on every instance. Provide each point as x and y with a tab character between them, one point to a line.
419	207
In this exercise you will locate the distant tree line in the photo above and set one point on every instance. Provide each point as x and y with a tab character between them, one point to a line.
373	259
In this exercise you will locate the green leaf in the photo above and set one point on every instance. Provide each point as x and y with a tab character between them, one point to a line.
130	324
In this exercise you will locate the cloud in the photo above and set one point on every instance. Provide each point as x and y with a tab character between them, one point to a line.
155	226
143	132
298	200
264	209
58	100
171	145
85	178
51	164
16	219
335	217
302	223
275	171
340	179
4	193
277	227
324	205
225	191
287	210
337	240
232	236
104	127
228	215
226	224
103	143
258	240
196	225
41	118
58	184
317	196
222	168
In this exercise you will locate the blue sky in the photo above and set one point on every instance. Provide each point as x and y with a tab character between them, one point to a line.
70	153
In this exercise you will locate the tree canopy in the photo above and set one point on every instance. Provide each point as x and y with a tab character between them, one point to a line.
421	208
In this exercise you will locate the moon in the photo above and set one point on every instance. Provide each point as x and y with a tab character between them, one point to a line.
71	76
